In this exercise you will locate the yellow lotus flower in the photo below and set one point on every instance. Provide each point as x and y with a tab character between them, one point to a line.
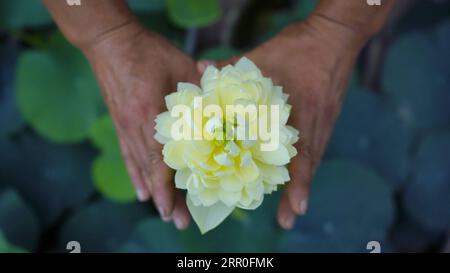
227	159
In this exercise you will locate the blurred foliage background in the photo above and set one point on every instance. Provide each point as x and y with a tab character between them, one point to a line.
385	176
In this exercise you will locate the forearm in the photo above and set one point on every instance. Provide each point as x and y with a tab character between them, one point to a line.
350	21
91	21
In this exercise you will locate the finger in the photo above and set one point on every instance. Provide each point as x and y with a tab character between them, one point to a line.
286	217
180	214
138	150
298	189
142	192
163	188
302	166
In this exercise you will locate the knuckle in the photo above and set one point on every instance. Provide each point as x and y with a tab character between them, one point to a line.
154	157
124	123
309	155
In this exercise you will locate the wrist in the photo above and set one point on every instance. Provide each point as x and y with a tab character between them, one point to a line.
88	22
115	37
352	22
337	35
114	42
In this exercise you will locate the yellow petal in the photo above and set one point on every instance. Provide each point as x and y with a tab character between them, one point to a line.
225	171
194	199
248	202
246	158
181	178
248	173
198	151
208	196
294	134
278	157
188	87
173	153
255	191
160	138
292	151
194	184
211	183
223	159
209	78
246	65
231	183
268	189
273	174
254	204
164	122
183	97
207	218
209	165
230	198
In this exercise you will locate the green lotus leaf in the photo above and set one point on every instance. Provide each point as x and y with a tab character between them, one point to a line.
57	92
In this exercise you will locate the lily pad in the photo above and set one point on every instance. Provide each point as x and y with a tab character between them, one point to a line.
6	247
247	231
10	118
277	21
57	92
17	221
102	226
153	235
368	132
416	79
409	236
244	231
193	13
145	6
108	171
103	135
19	14
51	178
426	197
218	53
111	178
350	206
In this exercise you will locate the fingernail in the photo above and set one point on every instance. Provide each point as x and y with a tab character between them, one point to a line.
288	222
164	214
142	195
179	223
303	206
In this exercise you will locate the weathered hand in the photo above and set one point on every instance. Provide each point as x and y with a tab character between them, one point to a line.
136	69
313	68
